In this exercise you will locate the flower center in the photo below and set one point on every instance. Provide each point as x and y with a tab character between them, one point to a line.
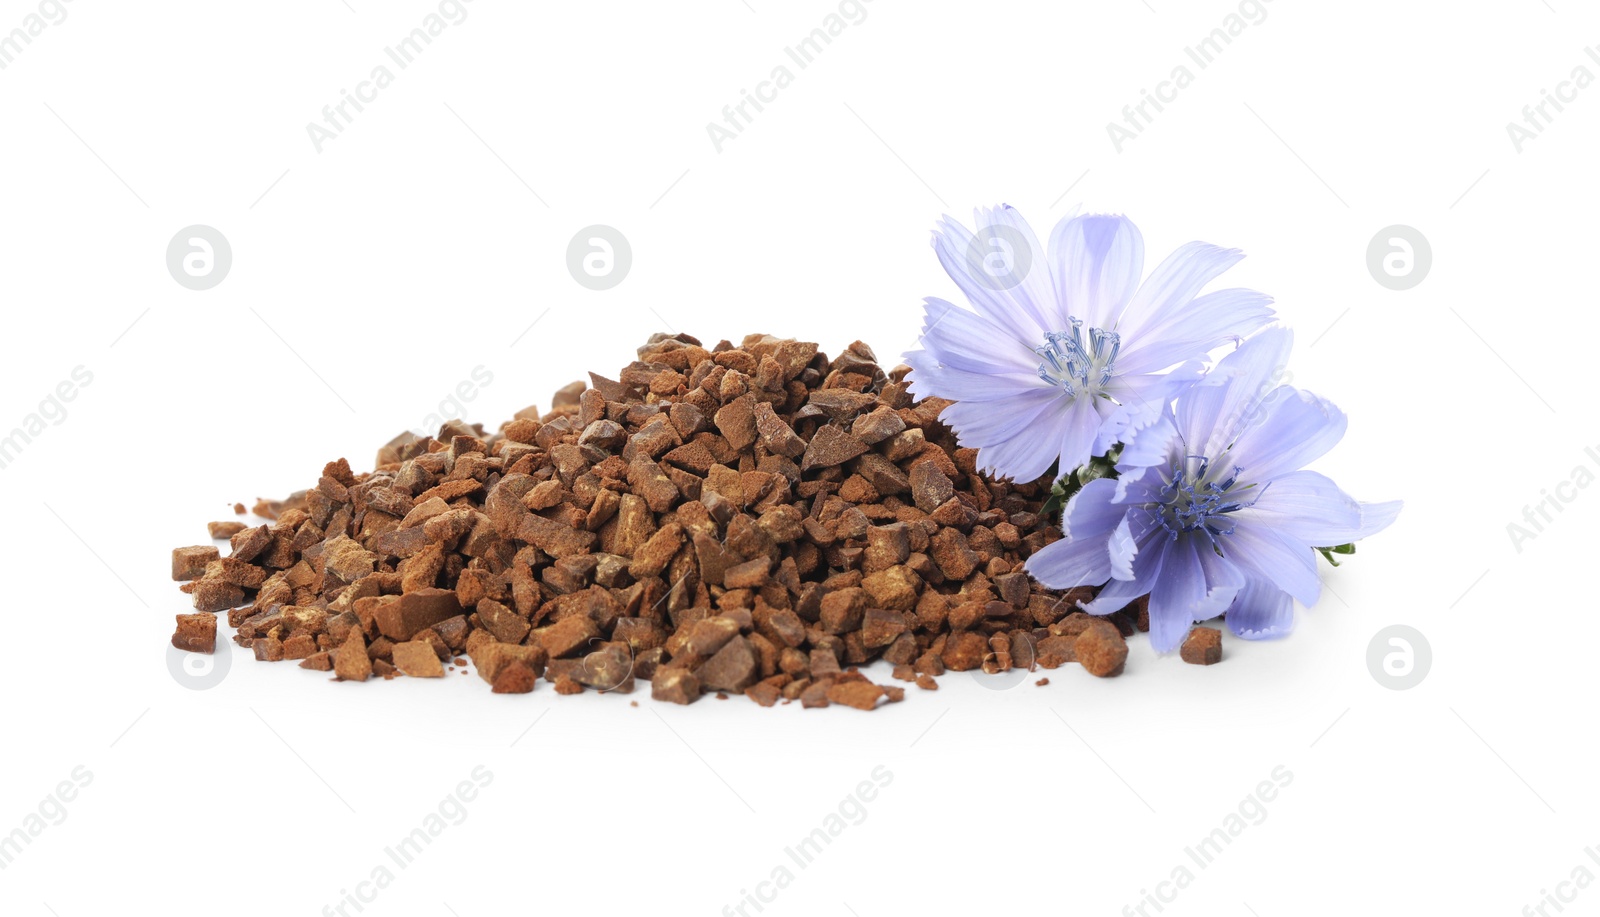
1198	498
1077	367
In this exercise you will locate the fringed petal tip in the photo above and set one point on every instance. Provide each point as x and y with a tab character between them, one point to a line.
1261	612
1375	517
1265	633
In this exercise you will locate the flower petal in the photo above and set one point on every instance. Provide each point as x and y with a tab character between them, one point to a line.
1211	411
1311	509
978	424
1375	517
1177	595
929	377
1079	430
1196	329
1093	511
1291	429
962	339
1096	260
1261	548
1147	564
1172	285
969	259
1143	397
1114	596
1121	549
1034	290
1148	446
1115	420
1224	579
1020	441
1081	558
1261	611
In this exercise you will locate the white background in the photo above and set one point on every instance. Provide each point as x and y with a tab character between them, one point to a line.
372	277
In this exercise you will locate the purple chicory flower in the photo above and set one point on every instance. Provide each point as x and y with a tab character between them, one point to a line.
1211	512
1059	357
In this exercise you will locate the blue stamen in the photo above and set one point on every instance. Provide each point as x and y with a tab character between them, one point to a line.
1074	367
1190	501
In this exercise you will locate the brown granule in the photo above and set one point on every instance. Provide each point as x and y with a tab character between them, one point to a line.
1203	646
196	633
190	563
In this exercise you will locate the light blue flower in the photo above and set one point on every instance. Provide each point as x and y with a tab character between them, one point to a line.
1211	512
1060	355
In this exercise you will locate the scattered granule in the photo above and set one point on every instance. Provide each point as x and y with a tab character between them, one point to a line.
1056	651
1073	624
733	668
764	693
318	662
862	695
1041	682
516	678
490	657
1101	650
418	659
216	595
1203	646
224	530
741	518
190	563
965	651
402	617
567	636
196	633
239	509
350	662
816	695
607	669
299	646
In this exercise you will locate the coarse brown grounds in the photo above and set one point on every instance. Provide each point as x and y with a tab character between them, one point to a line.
755	519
